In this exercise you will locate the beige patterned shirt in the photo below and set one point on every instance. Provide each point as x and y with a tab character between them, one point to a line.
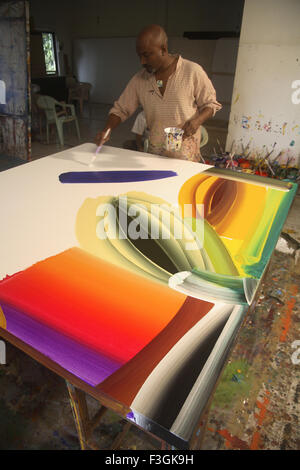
188	91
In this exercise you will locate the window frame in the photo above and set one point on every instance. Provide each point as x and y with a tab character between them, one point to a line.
52	74
40	33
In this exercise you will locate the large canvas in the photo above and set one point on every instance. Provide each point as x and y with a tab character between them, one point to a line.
135	274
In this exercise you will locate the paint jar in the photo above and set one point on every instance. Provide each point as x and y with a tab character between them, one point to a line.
173	138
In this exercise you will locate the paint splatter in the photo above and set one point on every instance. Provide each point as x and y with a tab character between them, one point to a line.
268	127
283	128
245	122
286	320
262	406
231	441
258	125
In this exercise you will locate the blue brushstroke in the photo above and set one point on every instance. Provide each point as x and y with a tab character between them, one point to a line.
119	176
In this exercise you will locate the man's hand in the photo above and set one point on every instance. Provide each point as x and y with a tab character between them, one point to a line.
190	127
102	137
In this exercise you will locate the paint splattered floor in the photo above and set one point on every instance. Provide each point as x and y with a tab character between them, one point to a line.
257	402
35	412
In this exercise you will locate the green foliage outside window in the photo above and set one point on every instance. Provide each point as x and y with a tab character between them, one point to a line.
49	53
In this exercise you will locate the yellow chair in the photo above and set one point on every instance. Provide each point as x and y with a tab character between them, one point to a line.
204	137
57	113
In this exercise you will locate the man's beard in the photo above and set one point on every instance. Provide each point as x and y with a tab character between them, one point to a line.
149	69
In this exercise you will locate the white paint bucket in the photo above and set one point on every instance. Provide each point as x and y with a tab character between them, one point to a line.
173	138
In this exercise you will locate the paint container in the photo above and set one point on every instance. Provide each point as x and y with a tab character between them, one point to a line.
173	138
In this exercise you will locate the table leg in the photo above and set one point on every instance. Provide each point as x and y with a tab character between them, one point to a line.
80	414
85	425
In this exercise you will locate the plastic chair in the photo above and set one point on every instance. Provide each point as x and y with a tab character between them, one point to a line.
58	117
204	137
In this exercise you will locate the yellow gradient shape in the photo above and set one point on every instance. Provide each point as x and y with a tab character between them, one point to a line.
233	208
2	319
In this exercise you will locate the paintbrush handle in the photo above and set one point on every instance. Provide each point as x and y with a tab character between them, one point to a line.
104	137
99	147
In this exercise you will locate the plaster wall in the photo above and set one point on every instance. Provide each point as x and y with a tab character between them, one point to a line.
265	109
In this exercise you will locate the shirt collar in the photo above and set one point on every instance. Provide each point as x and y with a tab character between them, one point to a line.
179	62
149	76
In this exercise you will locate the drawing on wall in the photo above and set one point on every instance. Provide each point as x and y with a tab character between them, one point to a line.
145	298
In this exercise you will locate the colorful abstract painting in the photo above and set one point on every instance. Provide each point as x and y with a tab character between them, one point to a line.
135	275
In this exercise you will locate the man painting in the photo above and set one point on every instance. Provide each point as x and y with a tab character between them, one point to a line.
173	92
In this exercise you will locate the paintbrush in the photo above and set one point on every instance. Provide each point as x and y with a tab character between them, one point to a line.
262	160
99	148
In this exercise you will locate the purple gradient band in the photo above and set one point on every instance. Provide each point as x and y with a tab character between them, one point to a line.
87	364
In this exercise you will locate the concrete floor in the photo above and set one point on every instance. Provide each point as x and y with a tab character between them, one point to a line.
257	403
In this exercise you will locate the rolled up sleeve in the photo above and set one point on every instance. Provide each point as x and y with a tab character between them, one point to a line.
128	102
205	94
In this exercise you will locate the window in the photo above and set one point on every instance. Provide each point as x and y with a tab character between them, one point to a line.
49	53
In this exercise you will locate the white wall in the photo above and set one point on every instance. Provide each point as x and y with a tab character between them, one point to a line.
262	111
223	72
107	64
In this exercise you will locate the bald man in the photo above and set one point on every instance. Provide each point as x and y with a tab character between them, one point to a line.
174	92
